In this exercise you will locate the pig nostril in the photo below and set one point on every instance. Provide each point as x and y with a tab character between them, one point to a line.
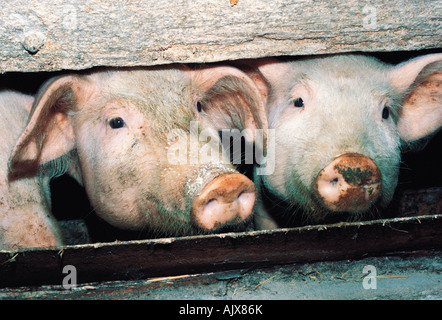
210	206
210	202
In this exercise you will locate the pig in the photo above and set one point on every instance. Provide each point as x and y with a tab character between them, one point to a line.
25	215
340	124
116	132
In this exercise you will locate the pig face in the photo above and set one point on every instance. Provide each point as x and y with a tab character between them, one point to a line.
111	130
339	126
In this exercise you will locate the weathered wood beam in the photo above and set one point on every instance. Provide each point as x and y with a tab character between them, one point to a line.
50	35
186	255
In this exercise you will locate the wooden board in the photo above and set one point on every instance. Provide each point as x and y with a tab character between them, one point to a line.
53	35
401	275
420	227
173	256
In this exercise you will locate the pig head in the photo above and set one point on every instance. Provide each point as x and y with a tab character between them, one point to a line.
117	131
340	124
25	216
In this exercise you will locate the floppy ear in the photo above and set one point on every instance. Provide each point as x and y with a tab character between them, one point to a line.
271	69
49	133
230	99
420	80
272	77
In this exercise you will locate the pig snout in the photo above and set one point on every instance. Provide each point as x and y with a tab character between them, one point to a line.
350	183
227	199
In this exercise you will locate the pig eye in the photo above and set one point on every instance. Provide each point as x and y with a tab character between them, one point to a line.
298	103
116	123
385	113
198	106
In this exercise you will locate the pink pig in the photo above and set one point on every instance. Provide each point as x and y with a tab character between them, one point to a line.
25	216
340	123
110	130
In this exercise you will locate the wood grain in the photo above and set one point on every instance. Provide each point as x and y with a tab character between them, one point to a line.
53	35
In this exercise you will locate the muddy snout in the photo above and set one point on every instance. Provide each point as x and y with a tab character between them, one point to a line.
350	183
227	199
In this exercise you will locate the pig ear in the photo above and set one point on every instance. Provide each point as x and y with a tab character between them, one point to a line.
420	80
271	69
230	99
273	78
27	102
49	133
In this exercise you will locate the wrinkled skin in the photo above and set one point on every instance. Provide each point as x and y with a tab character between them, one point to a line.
111	130
25	217
324	108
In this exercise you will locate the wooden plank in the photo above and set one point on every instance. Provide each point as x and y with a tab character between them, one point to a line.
400	275
53	35
173	256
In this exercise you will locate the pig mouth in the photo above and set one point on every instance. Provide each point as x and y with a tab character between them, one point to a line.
318	212
294	212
